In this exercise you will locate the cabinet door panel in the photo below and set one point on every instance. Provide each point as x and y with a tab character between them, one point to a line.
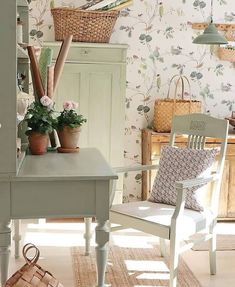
98	90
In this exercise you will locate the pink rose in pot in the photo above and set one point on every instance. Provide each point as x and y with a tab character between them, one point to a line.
46	101
68	105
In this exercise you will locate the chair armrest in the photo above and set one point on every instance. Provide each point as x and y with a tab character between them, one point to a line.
135	168
189	183
181	194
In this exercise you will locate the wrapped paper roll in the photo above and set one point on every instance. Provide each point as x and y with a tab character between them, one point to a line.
35	72
44	61
50	81
61	59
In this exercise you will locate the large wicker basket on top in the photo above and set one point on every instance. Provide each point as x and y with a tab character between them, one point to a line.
85	26
31	274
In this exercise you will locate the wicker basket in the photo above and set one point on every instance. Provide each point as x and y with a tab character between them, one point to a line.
85	26
165	109
226	54
31	274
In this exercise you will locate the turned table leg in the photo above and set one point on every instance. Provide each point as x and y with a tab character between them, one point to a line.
102	239
17	237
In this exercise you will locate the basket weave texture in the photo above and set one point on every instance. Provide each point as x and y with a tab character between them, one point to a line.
226	54
85	26
31	274
165	109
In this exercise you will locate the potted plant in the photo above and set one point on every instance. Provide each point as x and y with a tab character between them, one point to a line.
68	126
40	121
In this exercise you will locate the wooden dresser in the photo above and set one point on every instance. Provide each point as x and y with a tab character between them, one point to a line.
151	146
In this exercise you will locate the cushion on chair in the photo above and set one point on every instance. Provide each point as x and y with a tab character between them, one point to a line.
178	164
160	214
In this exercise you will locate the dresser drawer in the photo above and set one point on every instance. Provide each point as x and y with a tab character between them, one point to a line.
89	52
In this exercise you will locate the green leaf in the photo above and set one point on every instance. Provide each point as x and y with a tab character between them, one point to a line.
39	34
138	176
146	109
33	32
140	108
148	38
142	37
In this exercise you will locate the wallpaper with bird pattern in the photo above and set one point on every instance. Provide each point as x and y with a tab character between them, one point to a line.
159	35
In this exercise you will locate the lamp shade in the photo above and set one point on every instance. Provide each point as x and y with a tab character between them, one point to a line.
210	37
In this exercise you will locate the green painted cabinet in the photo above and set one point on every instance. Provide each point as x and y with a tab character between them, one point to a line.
94	75
13	60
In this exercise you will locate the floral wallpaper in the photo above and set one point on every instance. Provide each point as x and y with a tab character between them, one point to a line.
159	35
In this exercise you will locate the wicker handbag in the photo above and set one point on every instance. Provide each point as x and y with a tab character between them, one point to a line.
85	26
165	109
31	274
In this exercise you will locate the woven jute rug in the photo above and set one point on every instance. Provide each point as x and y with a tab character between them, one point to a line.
129	267
223	241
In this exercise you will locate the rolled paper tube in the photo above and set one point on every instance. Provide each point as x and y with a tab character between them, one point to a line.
35	72
44	61
61	59
34	87
50	81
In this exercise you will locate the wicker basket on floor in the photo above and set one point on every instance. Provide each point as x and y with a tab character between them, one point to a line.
31	274
85	26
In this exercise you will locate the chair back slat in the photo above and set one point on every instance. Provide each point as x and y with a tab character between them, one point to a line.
196	142
199	127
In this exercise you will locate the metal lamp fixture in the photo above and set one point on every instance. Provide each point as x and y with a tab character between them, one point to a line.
210	36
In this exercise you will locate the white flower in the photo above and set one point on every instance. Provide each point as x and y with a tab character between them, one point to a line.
46	101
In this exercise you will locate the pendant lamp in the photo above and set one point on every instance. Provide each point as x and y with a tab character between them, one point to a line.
210	36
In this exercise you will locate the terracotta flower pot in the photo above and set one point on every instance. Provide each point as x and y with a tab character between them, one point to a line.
38	143
69	137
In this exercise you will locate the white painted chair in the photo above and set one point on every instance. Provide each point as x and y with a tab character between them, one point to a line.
176	223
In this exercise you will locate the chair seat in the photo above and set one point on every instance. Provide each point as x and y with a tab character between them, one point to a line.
159	215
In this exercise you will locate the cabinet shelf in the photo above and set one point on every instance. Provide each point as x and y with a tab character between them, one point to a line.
21	53
22	3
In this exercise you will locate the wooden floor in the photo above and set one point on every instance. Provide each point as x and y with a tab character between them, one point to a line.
55	239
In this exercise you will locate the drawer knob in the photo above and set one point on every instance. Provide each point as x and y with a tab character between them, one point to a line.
85	52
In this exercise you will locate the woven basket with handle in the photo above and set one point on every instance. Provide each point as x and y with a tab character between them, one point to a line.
31	274
85	26
165	109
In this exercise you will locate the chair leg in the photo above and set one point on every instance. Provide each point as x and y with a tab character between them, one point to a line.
174	259
212	249
162	247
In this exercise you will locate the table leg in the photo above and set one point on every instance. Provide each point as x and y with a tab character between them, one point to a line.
102	239
5	242
87	234
17	237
